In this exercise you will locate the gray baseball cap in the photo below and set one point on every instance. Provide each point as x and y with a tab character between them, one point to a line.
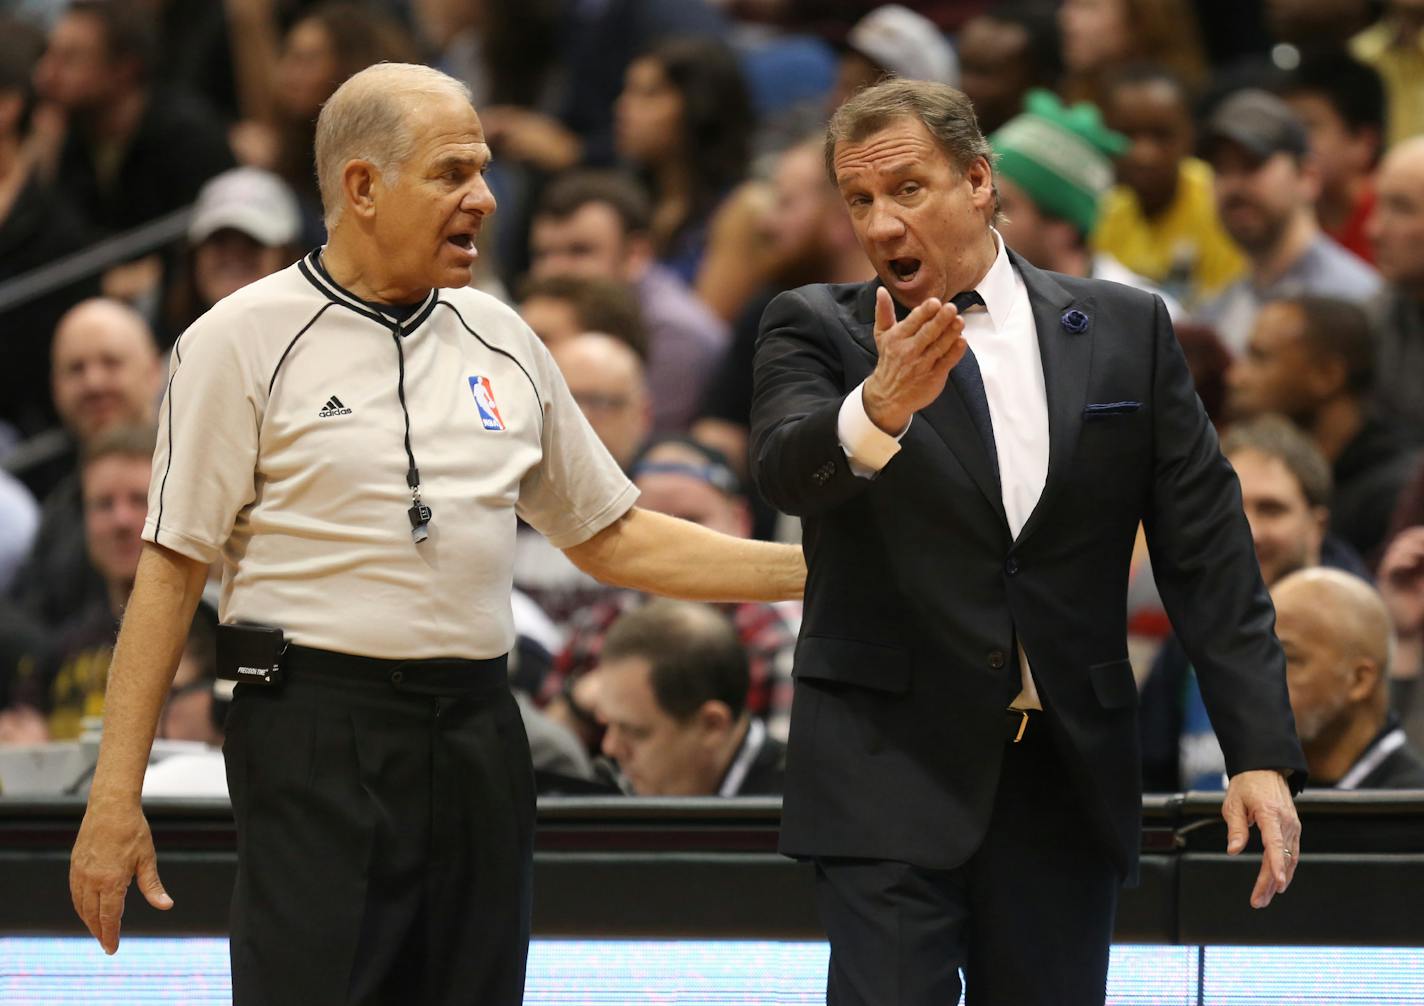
1259	122
255	202
904	43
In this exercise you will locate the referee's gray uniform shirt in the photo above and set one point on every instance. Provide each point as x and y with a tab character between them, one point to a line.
281	451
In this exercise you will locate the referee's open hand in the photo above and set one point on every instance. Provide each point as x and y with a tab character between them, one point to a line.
114	844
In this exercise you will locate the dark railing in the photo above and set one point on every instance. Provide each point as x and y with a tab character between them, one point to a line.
618	867
95	259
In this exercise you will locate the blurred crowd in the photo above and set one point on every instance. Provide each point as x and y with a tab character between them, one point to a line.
660	175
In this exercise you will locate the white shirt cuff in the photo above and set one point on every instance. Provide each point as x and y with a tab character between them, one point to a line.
867	447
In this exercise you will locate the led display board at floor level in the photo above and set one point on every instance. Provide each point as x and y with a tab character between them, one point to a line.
62	971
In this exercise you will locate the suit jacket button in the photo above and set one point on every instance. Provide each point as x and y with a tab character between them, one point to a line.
1011	566
997	660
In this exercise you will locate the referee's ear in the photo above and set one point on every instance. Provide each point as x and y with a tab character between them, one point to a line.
358	183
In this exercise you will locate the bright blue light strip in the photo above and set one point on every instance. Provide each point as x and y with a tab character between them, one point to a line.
60	972
1320	976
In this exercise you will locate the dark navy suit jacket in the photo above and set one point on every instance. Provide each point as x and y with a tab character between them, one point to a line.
917	594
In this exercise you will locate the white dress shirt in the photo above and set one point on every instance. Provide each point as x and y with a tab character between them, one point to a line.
1005	342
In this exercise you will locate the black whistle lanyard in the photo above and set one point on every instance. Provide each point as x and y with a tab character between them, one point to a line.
418	513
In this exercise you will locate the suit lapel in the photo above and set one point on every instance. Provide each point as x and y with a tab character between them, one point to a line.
947	415
1067	358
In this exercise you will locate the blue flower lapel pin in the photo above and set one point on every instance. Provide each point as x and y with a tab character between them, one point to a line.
1074	321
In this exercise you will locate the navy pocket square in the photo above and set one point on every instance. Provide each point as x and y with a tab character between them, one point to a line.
1096	410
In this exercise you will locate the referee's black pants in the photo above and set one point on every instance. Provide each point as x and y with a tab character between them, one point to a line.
385	814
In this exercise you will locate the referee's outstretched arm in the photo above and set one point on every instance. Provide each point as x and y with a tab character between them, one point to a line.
658	554
114	842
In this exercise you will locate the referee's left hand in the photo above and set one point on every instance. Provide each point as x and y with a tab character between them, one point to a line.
114	844
1262	798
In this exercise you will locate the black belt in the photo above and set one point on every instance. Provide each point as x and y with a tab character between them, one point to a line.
440	676
1019	723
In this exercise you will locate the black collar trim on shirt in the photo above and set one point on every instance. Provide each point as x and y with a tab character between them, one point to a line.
315	271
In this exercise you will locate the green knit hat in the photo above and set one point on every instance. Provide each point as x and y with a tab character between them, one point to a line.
1061	157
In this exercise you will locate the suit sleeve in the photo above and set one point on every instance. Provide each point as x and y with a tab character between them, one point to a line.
1206	570
799	384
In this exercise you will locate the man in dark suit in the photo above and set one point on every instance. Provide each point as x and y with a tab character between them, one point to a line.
971	444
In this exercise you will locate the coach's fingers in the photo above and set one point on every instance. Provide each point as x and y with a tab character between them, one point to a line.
1266	887
884	314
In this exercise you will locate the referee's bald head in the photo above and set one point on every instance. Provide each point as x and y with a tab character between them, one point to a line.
369	118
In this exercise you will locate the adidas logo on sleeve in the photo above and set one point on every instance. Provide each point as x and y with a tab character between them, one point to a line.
333	407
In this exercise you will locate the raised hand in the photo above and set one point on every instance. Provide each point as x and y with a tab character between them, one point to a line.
916	356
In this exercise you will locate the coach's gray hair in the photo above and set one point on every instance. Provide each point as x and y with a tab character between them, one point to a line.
945	111
367	119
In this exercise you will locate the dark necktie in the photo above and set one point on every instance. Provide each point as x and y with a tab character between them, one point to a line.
970	384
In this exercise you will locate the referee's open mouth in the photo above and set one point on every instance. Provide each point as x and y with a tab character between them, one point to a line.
464	243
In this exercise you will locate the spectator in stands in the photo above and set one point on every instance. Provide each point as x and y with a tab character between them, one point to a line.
808	239
1341	102
671	689
599	224
324	47
1049	202
21	644
1401	583
685	120
1004	53
1336	633
892	39
1285	491
606	378
685	479
605	375
1266	187
1100	36
558	308
1396	230
69	684
246	224
1312	359
130	152
37	226
1395	47
106	373
1160	219
547	74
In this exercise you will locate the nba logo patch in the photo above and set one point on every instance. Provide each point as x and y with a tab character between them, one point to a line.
483	391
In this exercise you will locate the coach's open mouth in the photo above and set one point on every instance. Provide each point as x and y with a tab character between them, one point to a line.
904	268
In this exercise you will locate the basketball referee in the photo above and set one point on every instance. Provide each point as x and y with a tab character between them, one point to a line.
353	439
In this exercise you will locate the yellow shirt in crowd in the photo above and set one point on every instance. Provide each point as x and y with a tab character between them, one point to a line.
1185	250
1400	64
